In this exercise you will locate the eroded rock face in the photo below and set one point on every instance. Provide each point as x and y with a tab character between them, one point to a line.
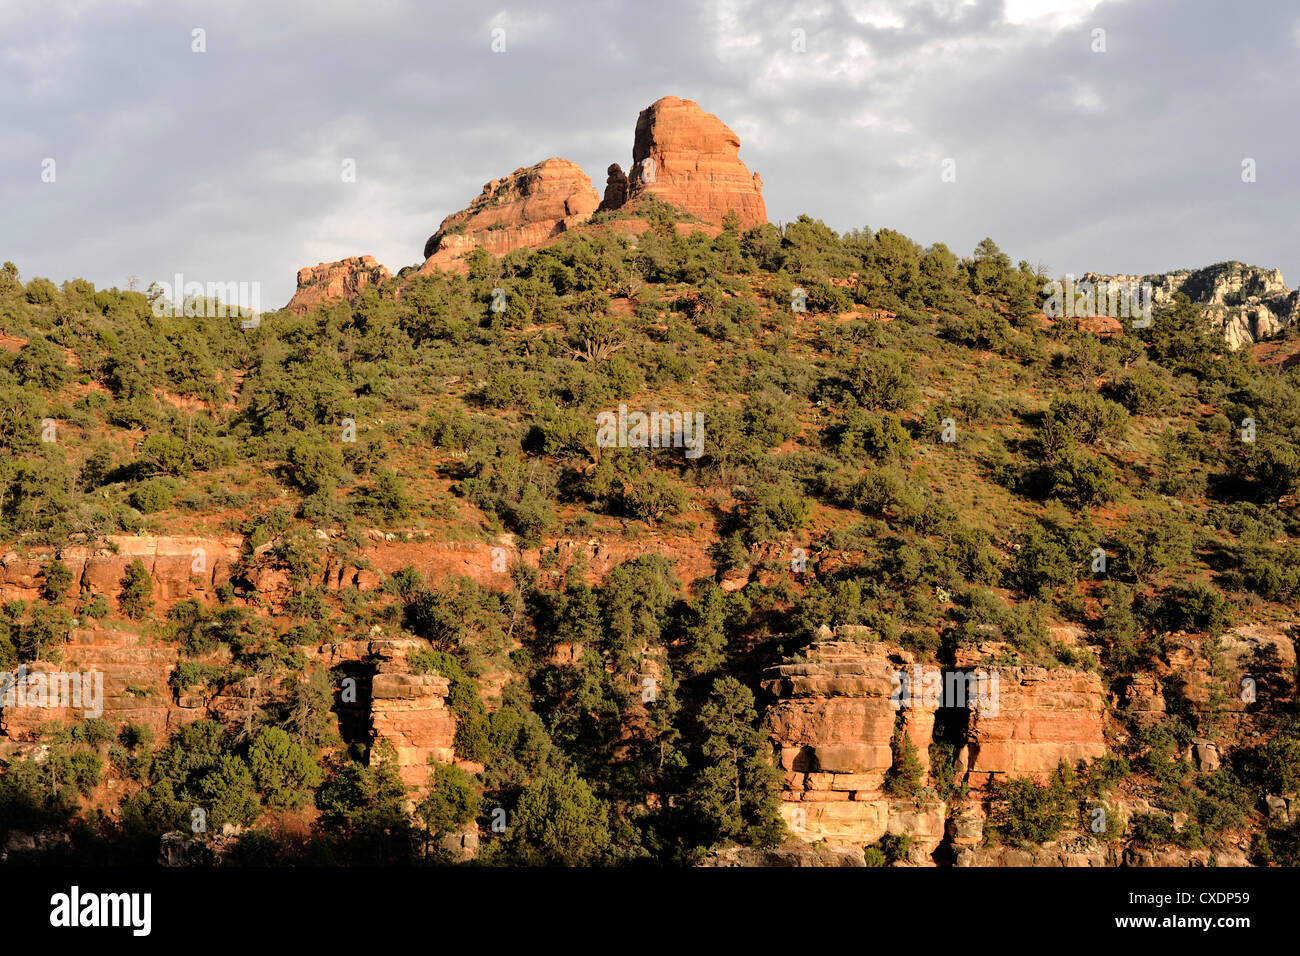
832	725
409	716
1256	667
180	567
681	154
615	187
1248	303
1043	717
834	717
691	159
134	685
330	281
526	208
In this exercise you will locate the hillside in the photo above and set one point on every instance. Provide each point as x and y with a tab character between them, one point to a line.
367	583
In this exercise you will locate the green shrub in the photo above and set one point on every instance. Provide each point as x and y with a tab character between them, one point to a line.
1025	812
283	772
57	577
449	802
137	591
903	778
558	820
154	495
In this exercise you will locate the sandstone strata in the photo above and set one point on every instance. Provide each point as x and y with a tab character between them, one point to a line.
1248	674
1043	718
331	281
180	566
833	718
410	720
135	690
526	208
832	723
691	159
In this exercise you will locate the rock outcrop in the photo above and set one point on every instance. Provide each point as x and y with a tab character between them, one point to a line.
180	567
330	281
1248	303
134	679
835	714
615	187
1240	682
691	159
681	154
410	721
1043	718
526	208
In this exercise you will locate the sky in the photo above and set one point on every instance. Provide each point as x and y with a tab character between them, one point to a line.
1166	140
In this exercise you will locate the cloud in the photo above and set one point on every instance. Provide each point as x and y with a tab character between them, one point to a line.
225	165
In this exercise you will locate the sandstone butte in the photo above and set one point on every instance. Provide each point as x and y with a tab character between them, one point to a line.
691	159
345	279
526	208
681	155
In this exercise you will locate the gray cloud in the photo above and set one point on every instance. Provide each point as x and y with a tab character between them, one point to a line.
225	165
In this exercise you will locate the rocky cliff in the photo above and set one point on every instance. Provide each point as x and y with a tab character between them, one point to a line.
1248	303
329	281
526	208
836	712
834	722
409	717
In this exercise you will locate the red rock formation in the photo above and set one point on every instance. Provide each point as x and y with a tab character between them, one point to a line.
410	720
689	158
1043	717
345	279
683	155
832	725
180	566
834	718
526	208
615	187
135	674
1263	655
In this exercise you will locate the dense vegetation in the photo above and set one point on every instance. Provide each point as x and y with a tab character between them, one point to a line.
905	410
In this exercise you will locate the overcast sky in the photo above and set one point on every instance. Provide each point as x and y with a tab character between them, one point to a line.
226	165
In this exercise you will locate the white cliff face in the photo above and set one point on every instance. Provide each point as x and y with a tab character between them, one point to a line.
1247	302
